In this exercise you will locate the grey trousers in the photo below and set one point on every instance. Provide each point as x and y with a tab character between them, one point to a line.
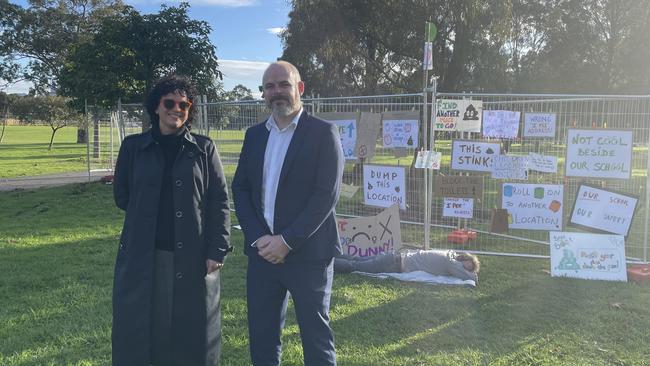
388	262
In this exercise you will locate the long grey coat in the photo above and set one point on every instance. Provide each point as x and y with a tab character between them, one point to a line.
202	227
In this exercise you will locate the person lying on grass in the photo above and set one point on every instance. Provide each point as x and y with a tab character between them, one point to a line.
436	262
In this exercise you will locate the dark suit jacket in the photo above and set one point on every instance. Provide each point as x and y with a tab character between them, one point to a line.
308	190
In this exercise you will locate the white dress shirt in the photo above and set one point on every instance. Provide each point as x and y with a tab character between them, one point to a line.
276	150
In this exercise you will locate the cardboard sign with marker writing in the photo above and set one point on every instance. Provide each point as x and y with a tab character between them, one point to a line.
369	236
458	186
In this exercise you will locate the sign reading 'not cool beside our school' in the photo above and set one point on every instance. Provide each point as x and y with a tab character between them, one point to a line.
599	153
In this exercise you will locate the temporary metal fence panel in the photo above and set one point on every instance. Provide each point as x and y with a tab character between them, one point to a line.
103	141
226	123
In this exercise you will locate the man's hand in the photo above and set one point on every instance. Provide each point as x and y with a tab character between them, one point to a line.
272	248
212	266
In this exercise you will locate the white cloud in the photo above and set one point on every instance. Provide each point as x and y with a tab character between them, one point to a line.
276	31
21	87
247	73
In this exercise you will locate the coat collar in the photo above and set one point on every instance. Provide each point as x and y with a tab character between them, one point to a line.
148	140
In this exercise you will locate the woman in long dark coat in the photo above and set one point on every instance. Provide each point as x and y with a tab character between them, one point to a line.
166	308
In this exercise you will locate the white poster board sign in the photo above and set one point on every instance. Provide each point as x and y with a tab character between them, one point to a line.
533	206
510	167
458	207
373	235
588	256
400	133
476	156
348	128
501	124
603	210
539	124
384	185
542	163
428	159
458	115
599	153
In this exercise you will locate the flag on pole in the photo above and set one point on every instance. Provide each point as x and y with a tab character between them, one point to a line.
427	64
431	32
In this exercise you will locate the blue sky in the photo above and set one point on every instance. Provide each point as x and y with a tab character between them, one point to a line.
244	32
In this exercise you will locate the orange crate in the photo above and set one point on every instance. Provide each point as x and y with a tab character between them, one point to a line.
639	273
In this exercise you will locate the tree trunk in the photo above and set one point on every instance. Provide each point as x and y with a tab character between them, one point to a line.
82	135
49	148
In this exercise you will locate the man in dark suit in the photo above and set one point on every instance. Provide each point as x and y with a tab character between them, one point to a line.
285	189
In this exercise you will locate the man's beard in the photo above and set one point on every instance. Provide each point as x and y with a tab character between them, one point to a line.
281	110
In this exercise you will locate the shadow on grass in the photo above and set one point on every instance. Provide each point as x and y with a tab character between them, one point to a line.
44	157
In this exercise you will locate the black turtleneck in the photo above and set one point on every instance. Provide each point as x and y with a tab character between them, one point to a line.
170	145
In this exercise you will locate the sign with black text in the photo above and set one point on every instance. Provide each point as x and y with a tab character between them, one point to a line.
475	156
603	210
384	185
599	153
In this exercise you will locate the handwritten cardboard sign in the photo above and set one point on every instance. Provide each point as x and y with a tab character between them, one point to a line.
539	124
428	159
542	163
510	167
458	186
533	206
400	129
368	130
384	185
458	207
501	124
476	156
588	256
599	153
603	210
347	124
457	115
369	236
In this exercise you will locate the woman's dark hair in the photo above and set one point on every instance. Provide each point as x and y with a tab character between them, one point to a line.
171	84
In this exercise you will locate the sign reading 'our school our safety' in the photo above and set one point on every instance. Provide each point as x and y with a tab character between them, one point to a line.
603	210
470	155
599	153
384	185
588	256
533	206
369	236
458	115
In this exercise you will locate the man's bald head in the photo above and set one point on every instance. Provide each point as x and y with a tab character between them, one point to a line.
282	89
293	72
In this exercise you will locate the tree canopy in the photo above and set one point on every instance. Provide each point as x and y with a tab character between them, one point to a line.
373	47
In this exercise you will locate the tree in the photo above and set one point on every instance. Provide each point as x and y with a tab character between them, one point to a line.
116	64
55	111
4	109
43	34
238	93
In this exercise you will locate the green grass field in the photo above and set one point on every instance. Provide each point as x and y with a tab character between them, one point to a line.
57	249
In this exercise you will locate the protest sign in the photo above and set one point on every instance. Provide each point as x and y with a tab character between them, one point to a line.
588	256
499	221
369	236
599	209
428	159
347	124
458	186
457	115
542	163
470	155
367	132
533	206
458	207
400	129
539	124
510	167
501	124
599	153
384	185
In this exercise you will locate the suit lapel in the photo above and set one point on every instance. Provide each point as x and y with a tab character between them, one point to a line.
294	147
258	158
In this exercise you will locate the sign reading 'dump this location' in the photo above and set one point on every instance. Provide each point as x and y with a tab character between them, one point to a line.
603	210
384	185
533	206
476	156
539	125
599	153
588	256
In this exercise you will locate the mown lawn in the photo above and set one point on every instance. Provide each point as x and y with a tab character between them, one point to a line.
57	249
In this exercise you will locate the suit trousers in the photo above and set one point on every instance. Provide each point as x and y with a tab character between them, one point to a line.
310	286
